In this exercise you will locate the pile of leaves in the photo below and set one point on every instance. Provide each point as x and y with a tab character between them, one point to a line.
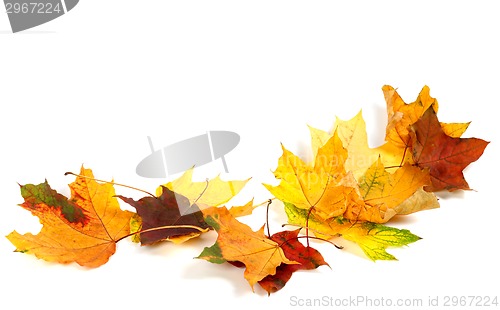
348	190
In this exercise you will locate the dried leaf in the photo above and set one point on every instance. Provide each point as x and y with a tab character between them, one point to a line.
171	211
211	193
372	238
307	257
325	185
83	229
244	210
402	115
237	242
446	157
384	192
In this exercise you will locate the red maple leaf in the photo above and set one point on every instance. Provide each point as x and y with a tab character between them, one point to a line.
445	157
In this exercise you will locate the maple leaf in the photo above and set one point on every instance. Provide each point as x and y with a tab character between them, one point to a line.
175	214
307	257
83	229
401	115
454	130
237	242
325	185
446	157
384	193
135	228
166	217
372	238
353	135
211	193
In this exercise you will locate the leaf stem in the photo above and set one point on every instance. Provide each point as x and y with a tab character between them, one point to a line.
203	192
402	159
311	237
269	202
390	167
119	184
161	228
307	224
263	203
404	155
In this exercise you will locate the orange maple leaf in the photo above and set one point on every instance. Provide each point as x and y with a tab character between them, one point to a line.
83	229
401	115
237	242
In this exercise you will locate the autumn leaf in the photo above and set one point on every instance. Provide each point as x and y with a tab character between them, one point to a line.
83	229
171	211
211	193
244	210
385	193
237	242
324	185
307	257
420	200
135	228
454	130
354	138
446	157
330	191
372	238
401	115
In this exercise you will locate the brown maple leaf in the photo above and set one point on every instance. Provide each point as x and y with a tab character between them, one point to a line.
445	156
168	211
83	229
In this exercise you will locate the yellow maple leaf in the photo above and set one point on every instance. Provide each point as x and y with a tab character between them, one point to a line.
384	193
210	193
324	185
353	135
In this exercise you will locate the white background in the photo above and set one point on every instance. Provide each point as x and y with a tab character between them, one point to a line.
89	87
